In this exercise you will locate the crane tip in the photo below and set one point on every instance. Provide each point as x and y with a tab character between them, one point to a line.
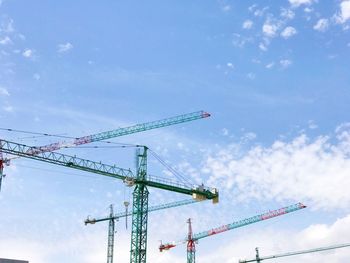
206	114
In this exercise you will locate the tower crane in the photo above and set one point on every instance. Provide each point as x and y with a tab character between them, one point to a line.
112	218
193	238
140	179
294	253
109	134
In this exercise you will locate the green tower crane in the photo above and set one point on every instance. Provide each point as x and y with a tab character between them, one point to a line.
108	135
141	180
112	218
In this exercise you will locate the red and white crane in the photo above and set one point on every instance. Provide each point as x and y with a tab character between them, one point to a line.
193	238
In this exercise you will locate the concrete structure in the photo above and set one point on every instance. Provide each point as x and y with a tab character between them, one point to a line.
6	260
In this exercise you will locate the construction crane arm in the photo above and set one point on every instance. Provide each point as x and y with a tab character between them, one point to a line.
197	192
237	224
296	253
150	209
250	220
122	131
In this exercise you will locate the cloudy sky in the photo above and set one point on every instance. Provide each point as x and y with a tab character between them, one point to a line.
273	74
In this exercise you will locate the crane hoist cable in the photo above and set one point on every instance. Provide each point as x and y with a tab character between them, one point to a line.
171	169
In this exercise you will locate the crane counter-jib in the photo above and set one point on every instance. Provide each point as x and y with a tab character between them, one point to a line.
199	193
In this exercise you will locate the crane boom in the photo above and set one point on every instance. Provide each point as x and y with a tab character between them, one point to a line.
237	224
122	131
294	253
250	220
150	209
74	162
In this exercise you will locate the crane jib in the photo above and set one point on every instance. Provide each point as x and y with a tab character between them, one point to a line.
122	131
198	193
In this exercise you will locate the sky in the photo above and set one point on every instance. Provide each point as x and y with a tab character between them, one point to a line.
272	74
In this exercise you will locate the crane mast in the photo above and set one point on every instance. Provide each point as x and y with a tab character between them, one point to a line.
140	215
1	166
192	238
141	180
294	253
111	228
191	246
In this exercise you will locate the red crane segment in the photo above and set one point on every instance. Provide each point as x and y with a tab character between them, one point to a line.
192	238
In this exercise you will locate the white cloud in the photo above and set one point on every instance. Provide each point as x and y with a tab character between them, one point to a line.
5	41
308	10
270	65
225	132
252	7
61	48
344	11
260	12
288	32
240	41
322	25
287	13
4	92
312	171
285	63
230	65
297	3
248	24
269	29
312	125
263	46
28	53
7	26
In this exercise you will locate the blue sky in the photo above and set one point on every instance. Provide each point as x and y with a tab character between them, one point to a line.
273	74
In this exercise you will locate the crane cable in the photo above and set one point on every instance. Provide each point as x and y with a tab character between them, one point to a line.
171	169
120	145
